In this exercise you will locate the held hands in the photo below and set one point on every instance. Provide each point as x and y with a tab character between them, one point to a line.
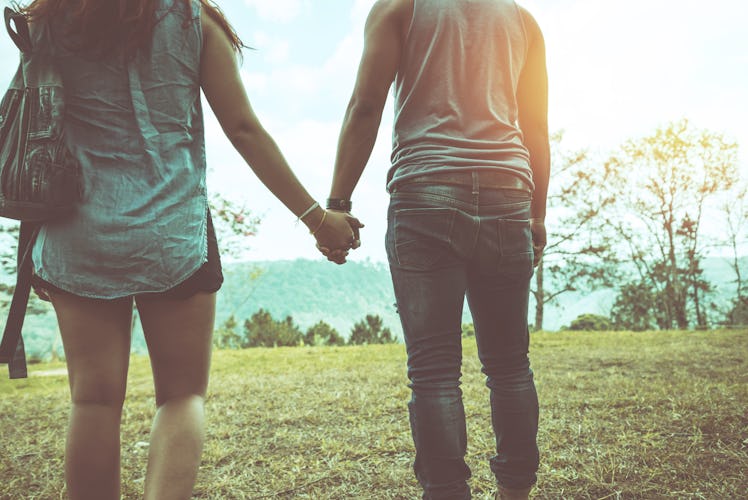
539	239
338	233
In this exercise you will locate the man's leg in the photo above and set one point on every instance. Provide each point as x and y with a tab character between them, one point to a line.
498	294
429	283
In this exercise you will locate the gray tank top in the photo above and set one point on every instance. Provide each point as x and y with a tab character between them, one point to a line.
455	104
136	126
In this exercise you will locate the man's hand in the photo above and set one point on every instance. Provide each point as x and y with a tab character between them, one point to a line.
537	228
338	255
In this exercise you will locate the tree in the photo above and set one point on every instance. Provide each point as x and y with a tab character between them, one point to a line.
227	336
734	211
370	331
662	185
322	334
9	245
8	264
261	330
578	254
233	223
638	308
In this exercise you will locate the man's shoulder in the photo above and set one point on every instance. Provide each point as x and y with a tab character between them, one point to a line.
396	13
531	25
392	8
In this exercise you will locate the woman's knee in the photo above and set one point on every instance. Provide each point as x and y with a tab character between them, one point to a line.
97	393
187	400
97	384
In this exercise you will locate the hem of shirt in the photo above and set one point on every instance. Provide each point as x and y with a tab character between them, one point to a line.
65	288
88	295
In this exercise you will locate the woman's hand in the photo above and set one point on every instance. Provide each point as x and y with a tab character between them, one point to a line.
337	233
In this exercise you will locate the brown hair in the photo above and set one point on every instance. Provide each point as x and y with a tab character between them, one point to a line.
102	26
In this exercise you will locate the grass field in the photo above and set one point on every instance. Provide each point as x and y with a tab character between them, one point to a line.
623	416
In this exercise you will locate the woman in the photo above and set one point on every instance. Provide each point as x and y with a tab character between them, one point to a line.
133	70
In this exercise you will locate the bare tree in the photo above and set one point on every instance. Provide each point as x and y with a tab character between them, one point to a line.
578	254
734	211
662	184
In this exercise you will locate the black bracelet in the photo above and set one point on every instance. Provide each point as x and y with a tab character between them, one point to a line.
339	204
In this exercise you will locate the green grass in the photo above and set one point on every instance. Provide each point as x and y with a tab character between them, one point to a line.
623	416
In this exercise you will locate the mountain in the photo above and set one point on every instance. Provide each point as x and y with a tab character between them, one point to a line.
309	291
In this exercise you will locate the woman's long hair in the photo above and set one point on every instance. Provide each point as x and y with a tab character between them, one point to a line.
103	26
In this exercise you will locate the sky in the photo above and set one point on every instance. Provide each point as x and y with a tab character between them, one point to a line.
617	71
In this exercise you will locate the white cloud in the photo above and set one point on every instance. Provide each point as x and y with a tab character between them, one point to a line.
274	50
255	82
360	11
291	86
309	147
619	69
279	10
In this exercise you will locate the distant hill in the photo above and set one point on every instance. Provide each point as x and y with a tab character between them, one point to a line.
309	291
314	290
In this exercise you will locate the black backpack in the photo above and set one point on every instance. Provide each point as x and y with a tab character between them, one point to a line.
39	178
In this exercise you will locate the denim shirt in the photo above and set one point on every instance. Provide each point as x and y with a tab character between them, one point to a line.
136	127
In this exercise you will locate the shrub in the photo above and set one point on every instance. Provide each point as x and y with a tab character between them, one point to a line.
738	315
591	322
263	331
468	330
323	334
370	331
226	336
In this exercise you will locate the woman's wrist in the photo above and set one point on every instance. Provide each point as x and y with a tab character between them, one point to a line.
313	218
308	211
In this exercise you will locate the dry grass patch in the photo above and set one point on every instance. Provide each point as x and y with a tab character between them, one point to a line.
624	416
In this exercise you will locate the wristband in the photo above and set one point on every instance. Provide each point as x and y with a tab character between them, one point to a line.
339	204
307	211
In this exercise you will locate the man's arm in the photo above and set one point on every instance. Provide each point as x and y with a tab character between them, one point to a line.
532	99
223	88
383	40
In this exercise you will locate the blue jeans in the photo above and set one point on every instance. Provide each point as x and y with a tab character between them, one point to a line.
443	242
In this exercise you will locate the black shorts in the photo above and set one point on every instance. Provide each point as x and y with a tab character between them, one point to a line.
207	279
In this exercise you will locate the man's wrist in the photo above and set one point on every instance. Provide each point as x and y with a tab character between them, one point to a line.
339	204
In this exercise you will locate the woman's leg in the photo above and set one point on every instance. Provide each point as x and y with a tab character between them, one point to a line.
178	333
96	338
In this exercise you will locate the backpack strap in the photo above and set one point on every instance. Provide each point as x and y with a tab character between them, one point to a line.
20	36
12	348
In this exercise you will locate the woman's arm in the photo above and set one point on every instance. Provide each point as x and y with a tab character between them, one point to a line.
224	90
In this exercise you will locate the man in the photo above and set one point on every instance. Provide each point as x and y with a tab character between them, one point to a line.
468	183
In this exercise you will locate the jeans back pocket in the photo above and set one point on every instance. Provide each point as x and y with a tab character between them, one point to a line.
421	237
515	245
